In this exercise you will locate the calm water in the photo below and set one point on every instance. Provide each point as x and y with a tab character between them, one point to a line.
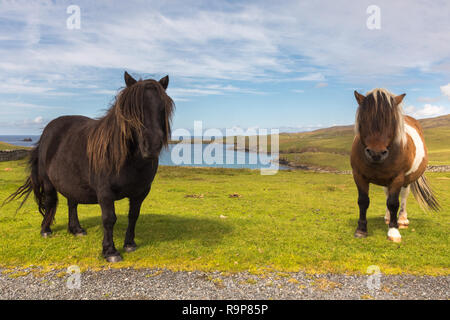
204	156
18	140
196	155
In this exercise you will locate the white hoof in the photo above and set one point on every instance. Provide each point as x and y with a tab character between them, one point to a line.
394	235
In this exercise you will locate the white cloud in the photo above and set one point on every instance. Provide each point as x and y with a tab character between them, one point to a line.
446	90
200	42
321	85
428	99
12	86
212	89
38	119
106	92
250	41
309	77
427	111
11	105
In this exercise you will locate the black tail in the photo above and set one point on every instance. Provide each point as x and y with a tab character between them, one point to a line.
33	183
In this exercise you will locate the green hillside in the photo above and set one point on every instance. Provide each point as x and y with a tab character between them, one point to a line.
7	146
330	148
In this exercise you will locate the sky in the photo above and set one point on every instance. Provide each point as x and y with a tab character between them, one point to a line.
291	65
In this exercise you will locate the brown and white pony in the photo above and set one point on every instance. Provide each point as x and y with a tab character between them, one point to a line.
389	150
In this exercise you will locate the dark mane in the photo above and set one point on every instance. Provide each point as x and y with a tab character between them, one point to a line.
379	114
108	142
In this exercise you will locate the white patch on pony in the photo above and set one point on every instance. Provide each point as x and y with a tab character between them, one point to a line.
394	233
420	148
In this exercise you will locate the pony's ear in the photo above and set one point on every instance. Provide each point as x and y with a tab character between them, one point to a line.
164	82
359	97
129	80
399	99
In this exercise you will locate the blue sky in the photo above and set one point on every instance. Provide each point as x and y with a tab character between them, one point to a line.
292	66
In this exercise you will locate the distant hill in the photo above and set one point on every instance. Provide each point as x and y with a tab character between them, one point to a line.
329	148
7	146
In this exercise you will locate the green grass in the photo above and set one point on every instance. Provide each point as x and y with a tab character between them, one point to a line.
319	159
438	145
287	222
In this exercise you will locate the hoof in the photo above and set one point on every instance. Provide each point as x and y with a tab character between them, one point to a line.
113	259
46	234
129	248
393	235
403	224
361	234
395	239
80	234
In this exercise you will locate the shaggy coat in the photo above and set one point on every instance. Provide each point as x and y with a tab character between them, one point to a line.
388	150
102	160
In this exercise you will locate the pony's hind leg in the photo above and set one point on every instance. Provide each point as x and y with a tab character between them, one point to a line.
50	201
387	215
403	221
74	225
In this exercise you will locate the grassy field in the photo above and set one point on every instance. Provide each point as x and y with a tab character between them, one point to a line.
7	146
234	220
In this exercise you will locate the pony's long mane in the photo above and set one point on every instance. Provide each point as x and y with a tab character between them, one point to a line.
108	143
380	114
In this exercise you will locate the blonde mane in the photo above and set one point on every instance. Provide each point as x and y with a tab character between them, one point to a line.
380	113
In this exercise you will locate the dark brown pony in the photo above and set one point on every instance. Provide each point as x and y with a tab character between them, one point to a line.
101	161
388	150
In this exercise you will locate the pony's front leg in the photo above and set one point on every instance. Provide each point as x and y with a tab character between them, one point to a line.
363	203
393	204
109	219
133	214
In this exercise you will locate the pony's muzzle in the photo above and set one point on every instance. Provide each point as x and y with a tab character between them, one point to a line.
376	156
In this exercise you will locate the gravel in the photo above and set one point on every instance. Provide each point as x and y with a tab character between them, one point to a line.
163	284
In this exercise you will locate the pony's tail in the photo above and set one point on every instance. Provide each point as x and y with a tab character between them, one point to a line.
33	183
424	195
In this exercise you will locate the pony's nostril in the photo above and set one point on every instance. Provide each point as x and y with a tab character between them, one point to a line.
384	152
